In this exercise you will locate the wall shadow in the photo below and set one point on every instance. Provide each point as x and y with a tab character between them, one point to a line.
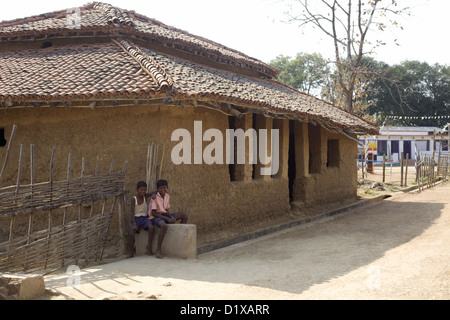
292	260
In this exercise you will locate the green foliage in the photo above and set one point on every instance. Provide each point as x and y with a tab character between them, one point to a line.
305	72
417	94
416	91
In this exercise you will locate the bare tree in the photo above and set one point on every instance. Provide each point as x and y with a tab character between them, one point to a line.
348	23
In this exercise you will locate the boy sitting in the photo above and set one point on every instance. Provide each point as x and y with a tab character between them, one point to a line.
159	213
140	218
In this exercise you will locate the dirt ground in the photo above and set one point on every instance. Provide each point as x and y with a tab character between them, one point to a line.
392	175
397	248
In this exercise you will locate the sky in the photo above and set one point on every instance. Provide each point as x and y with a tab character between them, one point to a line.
259	28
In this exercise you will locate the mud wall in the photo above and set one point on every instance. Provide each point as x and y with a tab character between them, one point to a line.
215	204
325	166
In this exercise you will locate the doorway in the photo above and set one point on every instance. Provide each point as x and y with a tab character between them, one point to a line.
406	149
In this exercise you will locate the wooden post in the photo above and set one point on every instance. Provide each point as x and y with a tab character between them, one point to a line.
80	206
13	216
121	224
430	169
19	170
401	169
421	173
439	159
69	160
432	160
30	215
363	163
11	227
417	165
406	170
99	252
52	165
371	162
81	182
95	173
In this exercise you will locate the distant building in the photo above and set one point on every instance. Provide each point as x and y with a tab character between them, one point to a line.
411	141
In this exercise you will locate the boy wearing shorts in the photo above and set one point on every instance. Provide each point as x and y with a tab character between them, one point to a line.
140	218
160	215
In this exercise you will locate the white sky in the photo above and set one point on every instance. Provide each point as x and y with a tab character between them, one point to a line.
255	27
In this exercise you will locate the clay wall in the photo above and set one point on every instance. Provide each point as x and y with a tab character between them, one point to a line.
215	203
325	166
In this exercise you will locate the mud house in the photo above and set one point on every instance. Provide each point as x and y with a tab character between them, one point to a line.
102	81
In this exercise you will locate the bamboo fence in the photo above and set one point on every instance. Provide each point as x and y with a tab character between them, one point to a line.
77	239
428	172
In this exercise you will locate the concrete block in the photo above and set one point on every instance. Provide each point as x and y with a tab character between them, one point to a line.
14	286
180	241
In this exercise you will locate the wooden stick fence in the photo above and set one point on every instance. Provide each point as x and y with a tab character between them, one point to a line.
55	246
52	249
154	166
428	172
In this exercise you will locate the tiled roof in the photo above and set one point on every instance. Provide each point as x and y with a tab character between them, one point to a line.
122	70
110	66
72	72
102	17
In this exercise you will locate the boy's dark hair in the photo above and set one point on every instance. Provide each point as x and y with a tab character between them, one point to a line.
162	183
141	184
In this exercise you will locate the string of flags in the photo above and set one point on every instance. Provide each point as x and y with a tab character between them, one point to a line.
416	117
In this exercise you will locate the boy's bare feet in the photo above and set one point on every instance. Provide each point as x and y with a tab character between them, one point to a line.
149	251
158	254
132	252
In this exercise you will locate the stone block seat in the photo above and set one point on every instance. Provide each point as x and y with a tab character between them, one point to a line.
18	286
180	241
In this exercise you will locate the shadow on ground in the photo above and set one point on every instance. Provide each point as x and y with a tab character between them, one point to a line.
291	261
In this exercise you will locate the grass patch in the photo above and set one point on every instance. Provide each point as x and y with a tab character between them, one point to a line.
370	192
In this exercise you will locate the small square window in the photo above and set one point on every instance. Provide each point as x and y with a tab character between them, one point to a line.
333	153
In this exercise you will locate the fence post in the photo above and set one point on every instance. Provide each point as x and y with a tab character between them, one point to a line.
406	170
363	163
401	169
416	165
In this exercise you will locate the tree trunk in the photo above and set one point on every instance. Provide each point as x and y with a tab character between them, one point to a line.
349	101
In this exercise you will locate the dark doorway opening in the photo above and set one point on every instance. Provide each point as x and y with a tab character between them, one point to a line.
406	149
394	147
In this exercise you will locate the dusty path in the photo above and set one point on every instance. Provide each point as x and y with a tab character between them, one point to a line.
395	249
